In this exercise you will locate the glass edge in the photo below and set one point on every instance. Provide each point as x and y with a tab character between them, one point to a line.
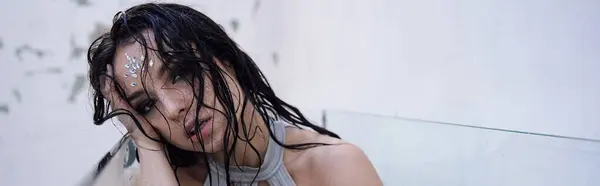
97	169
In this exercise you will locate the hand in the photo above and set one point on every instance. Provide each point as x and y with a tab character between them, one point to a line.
117	103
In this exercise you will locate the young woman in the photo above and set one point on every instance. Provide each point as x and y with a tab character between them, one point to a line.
202	113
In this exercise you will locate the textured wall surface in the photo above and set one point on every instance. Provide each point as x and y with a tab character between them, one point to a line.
46	133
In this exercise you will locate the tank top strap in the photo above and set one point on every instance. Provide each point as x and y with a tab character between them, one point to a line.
271	171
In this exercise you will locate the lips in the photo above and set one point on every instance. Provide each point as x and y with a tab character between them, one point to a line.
192	129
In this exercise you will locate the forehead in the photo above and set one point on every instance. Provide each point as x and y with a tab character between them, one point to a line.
130	62
128	58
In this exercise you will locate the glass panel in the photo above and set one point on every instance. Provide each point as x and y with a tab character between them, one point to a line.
117	168
414	152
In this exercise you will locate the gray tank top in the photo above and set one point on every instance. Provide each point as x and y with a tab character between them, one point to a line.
272	170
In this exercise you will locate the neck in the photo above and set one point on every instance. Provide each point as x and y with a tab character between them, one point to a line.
256	137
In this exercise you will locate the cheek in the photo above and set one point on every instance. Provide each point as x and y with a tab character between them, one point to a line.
161	123
208	94
171	131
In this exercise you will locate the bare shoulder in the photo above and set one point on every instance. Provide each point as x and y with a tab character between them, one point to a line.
338	163
342	164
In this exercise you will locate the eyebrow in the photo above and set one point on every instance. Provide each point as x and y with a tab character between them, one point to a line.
135	95
138	93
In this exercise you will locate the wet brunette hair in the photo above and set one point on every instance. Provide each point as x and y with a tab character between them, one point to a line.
187	41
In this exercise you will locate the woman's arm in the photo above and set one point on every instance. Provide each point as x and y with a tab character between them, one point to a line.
155	169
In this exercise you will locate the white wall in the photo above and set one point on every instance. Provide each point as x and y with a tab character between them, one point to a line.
524	65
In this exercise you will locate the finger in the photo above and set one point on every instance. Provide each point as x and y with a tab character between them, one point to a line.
116	101
106	80
109	90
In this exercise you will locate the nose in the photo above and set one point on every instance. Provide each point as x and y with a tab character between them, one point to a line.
174	107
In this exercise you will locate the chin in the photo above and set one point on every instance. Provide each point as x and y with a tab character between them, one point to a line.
213	142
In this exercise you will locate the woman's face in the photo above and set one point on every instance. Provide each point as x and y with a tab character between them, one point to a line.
167	102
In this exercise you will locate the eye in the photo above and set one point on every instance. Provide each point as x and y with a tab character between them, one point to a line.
145	107
175	71
175	78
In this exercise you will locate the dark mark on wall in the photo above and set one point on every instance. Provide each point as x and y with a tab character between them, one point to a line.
28	49
99	29
76	51
77	87
4	108
1	43
275	59
82	2
130	154
235	24
50	70
324	119
17	95
256	7
29	73
54	70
